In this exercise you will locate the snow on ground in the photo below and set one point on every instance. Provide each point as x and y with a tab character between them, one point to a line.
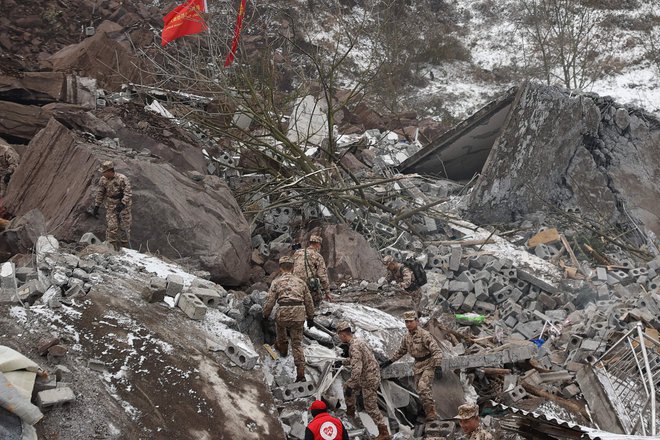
155	265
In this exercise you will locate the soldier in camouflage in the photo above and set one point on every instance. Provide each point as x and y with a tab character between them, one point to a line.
309	265
365	377
115	190
294	305
403	277
422	346
468	418
8	164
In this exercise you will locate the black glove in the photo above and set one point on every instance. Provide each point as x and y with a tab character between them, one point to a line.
95	211
338	364
7	177
386	363
348	392
344	349
310	322
438	373
120	207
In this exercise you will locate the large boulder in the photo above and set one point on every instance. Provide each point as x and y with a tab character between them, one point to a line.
172	214
348	255
101	58
19	123
571	151
20	236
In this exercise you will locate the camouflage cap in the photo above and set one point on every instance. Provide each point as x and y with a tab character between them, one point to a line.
409	316
286	259
387	259
467	411
343	325
107	165
315	239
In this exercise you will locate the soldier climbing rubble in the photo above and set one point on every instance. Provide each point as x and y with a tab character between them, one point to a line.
365	377
422	346
115	190
295	303
310	266
404	277
468	418
8	164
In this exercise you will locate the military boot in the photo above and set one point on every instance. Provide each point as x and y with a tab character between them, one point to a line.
300	373
282	349
431	415
383	433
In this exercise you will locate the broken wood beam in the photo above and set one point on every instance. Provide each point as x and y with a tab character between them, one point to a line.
568	404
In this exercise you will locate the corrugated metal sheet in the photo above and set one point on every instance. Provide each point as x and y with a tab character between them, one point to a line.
587	433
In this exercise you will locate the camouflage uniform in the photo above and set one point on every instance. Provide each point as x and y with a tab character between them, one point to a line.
315	268
422	346
481	433
405	278
365	376
295	304
114	191
469	411
8	164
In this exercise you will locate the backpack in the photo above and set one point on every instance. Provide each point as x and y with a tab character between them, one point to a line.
418	272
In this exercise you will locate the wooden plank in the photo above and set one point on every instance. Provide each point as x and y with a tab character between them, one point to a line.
548	236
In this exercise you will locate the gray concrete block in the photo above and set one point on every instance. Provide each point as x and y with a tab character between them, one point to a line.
239	352
209	297
530	329
54	397
192	306
90	238
501	295
174	285
8	282
25	274
481	290
483	308
547	301
455	258
460	286
514	395
535	281
31	291
296	390
469	302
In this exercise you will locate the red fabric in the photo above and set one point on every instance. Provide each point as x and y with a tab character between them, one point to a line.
237	34
318	404
326	427
184	20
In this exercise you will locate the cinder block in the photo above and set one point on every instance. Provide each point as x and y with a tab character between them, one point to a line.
535	281
90	238
516	394
460	286
481	290
296	390
241	354
209	297
174	285
469	302
501	295
547	301
63	374
484	308
455	258
25	274
192	306
601	274
55	397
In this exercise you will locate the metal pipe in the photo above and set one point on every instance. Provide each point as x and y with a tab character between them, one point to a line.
650	376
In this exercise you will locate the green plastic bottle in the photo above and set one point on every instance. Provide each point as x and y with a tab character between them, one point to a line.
470	319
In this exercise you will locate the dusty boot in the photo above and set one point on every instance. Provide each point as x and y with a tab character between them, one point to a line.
431	415
300	373
283	349
383	433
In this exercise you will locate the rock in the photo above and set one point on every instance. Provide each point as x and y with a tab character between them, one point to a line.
569	147
47	87
21	122
166	204
22	234
98	57
348	255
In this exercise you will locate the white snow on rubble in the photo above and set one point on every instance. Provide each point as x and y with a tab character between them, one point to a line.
155	265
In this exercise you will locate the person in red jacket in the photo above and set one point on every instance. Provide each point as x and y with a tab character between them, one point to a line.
324	426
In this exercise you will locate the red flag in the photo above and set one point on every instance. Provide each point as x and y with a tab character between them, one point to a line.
237	33
184	20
